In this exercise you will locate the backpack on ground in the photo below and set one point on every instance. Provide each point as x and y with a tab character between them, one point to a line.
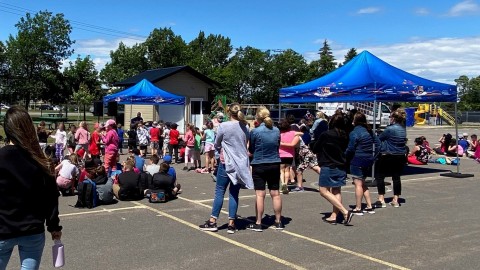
87	194
157	196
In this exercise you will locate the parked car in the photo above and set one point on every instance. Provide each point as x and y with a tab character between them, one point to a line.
45	107
4	107
57	108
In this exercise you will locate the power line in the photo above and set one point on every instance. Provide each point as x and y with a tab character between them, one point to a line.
7	8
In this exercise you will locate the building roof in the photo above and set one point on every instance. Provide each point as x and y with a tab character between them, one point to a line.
155	75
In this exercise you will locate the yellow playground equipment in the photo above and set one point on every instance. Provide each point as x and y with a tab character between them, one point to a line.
420	114
432	111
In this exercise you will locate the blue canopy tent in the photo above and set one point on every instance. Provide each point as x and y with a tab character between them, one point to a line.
367	78
145	93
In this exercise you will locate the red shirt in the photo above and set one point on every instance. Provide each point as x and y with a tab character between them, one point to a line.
94	142
154	134
174	134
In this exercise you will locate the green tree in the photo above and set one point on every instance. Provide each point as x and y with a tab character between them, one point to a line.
124	62
83	97
245	74
165	49
350	55
469	93
284	69
327	61
208	55
36	53
83	72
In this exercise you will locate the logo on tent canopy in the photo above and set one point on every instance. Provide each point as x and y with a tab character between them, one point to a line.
118	99
419	91
158	100
323	92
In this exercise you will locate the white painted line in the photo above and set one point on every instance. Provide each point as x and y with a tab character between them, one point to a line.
104	210
226	239
360	255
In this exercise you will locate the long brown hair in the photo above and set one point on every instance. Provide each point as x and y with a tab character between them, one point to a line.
359	119
20	131
337	122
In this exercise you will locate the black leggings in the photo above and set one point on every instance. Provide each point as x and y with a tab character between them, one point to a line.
389	165
173	148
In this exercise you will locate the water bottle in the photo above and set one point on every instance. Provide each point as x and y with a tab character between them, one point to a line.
58	254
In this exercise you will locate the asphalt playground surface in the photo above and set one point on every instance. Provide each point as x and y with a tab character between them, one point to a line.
436	227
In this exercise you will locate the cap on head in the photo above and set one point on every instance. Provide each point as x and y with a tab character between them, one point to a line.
110	122
465	134
167	159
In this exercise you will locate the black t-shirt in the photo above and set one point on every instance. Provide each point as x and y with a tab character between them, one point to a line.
136	119
330	149
129	185
42	136
162	181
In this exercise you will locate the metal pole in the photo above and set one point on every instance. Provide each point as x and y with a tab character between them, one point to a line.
374	130
279	110
456	135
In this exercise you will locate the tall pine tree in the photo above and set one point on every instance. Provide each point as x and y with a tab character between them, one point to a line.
327	61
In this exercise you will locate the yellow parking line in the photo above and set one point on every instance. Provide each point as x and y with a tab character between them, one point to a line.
372	259
233	242
104	210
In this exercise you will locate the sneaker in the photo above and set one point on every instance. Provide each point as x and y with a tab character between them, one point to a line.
208	226
348	218
185	168
369	210
298	189
285	189
278	226
394	204
231	229
358	212
192	168
255	227
380	204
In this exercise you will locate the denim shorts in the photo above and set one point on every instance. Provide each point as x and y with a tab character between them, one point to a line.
332	177
358	172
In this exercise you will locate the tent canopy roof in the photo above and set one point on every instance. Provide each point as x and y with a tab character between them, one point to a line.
368	78
145	93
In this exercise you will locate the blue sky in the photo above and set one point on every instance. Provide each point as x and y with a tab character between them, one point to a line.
439	40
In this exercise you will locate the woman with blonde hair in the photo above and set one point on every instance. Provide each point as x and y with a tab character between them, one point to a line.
233	169
28	193
264	145
392	158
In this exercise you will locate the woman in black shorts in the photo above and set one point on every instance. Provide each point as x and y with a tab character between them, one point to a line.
264	144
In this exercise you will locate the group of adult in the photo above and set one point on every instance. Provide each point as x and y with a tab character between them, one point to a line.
334	149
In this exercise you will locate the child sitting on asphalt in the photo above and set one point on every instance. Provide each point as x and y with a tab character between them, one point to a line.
139	160
153	167
163	182
67	173
126	184
171	171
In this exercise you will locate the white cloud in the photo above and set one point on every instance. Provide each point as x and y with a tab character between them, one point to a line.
368	10
464	8
422	11
442	59
99	49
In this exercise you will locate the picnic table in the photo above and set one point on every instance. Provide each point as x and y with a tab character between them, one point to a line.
55	115
49	120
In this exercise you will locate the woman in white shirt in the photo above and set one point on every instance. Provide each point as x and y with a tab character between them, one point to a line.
60	141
